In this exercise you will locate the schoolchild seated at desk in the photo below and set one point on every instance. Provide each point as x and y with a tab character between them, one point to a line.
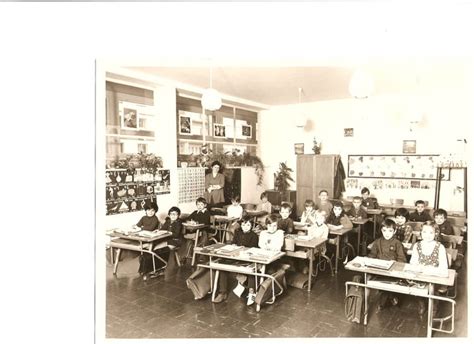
244	236
443	227
420	214
201	215
403	230
308	216
149	221
323	203
285	223
266	206
428	252
387	247
235	211
173	224
367	201
337	218
357	211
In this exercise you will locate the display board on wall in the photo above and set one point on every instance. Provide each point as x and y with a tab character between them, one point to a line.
418	167
129	191
191	184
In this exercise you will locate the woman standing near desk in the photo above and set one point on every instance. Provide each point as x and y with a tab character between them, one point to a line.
214	186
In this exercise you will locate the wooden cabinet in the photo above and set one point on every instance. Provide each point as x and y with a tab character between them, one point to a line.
313	174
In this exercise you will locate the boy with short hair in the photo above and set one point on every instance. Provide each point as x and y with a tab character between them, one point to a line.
420	214
387	247
323	203
173	224
443	227
201	215
285	223
367	201
357	211
149	222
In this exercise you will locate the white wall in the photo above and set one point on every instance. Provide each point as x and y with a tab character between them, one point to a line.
380	125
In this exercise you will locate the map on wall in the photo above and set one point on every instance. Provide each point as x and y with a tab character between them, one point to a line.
422	167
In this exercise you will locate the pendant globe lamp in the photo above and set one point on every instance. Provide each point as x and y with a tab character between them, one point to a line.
361	85
211	99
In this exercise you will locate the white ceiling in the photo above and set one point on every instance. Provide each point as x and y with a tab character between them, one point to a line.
274	85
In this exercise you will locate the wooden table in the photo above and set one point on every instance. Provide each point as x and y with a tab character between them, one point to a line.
196	229
255	214
240	254
360	223
299	226
311	244
403	271
374	213
135	241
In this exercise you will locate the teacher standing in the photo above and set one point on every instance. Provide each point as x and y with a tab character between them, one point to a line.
214	185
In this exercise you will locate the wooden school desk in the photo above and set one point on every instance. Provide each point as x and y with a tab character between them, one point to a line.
311	245
299	226
374	213
193	228
221	224
360	223
256	214
403	271
140	241
240	259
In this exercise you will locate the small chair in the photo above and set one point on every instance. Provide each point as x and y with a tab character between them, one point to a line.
321	265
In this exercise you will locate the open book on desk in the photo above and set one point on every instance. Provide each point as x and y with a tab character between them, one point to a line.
426	270
259	253
229	249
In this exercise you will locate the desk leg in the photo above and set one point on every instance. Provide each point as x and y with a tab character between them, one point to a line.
358	238
310	272
117	258
374	218
196	240
338	239
261	278
214	287
366	300
430	311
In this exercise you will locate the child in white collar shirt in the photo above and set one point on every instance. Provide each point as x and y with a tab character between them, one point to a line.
235	212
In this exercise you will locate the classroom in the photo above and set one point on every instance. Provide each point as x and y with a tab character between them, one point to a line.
271	200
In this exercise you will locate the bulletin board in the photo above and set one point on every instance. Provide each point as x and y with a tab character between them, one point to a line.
129	191
191	184
414	167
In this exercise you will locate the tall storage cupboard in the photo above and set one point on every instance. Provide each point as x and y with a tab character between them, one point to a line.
313	174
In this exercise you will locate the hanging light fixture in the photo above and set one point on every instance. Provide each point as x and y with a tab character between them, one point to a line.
361	85
300	121
211	99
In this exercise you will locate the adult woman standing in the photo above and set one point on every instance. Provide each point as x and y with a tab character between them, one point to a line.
214	185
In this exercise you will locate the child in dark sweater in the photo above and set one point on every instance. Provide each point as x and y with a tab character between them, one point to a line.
173	224
244	236
201	215
387	247
420	214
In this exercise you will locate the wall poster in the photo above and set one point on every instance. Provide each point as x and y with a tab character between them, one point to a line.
423	167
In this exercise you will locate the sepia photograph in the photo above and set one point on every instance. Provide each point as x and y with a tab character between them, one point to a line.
219	130
246	130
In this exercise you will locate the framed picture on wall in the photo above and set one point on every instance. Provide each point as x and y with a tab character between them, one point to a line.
185	125
409	147
299	148
129	119
246	131
348	132
219	130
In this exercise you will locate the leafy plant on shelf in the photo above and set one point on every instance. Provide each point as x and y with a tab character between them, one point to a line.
234	158
282	177
147	162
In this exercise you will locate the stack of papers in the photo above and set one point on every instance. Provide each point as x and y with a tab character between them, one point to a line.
426	270
259	253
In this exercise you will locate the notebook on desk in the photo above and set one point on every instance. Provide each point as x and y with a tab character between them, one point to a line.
378	263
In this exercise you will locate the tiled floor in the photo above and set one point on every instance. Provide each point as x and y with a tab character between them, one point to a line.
164	308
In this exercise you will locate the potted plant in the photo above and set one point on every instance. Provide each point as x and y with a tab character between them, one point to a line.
282	180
